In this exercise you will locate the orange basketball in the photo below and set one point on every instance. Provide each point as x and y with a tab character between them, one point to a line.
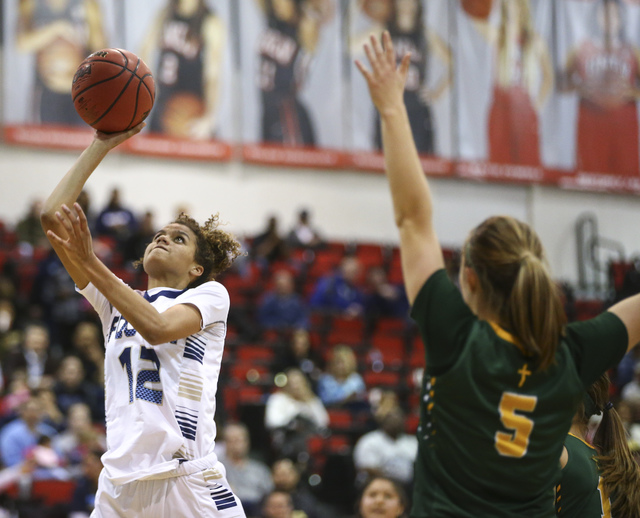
477	8
113	90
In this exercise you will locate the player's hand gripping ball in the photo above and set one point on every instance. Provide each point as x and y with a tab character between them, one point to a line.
113	90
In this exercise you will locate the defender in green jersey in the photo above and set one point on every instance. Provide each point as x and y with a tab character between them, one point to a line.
580	493
504	373
600	480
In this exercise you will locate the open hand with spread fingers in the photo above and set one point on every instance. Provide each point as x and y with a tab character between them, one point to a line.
78	243
386	80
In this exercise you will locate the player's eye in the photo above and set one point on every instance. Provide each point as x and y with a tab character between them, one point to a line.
179	239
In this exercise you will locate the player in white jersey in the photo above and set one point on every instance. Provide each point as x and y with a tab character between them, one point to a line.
163	354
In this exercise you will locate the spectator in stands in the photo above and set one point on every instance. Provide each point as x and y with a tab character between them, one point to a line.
277	504
80	438
7	317
387	451
341	384
84	496
87	344
304	234
71	387
624	371
51	413
269	245
286	478
249	478
33	356
21	435
134	247
382	402
382	497
84	200
281	308
29	230
116	221
294	413
628	412
339	292
631	391
55	292
17	393
297	352
384	298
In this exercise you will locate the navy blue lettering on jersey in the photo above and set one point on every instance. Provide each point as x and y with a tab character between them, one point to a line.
121	327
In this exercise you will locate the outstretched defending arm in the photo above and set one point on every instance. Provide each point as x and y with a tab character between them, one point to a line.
628	310
419	246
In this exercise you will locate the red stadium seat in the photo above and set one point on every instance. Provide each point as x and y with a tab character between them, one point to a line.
385	379
340	419
52	492
255	354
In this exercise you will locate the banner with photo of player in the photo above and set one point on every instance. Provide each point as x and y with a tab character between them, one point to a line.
187	44
504	74
598	69
422	28
291	73
44	42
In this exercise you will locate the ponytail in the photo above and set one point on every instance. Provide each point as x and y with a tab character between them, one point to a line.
516	285
534	311
619	470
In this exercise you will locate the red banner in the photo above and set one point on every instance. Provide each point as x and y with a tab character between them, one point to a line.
294	156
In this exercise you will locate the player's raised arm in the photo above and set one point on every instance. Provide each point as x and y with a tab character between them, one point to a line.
628	310
420	250
68	189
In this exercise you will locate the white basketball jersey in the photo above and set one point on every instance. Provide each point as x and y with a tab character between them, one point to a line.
160	400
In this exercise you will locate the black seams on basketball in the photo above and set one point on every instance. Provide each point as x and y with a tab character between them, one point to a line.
113	90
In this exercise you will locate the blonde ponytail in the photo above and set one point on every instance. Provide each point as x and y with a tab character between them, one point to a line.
516	285
619	470
534	311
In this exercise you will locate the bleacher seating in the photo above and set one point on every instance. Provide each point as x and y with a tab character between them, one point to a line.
389	350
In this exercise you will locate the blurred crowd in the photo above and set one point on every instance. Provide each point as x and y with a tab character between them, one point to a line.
320	387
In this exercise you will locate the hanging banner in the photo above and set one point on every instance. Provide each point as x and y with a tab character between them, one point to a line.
422	28
505	80
598	59
291	72
547	92
44	42
187	44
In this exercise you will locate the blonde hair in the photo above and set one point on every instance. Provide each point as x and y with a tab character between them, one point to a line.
618	468
520	46
345	353
516	285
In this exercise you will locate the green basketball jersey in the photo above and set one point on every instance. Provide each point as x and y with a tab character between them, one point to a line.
580	493
491	425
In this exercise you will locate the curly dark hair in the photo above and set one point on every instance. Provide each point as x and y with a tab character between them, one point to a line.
215	249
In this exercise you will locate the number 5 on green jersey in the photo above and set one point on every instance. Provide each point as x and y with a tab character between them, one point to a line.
515	443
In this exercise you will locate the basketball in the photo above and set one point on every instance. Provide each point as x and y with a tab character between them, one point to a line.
113	90
477	8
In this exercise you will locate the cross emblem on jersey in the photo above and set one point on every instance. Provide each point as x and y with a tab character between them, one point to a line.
524	372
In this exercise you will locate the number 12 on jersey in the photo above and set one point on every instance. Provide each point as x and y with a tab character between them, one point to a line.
143	375
515	443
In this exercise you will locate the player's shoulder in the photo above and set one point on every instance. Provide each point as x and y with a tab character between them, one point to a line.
207	288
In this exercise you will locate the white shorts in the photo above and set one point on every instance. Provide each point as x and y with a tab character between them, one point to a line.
204	493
